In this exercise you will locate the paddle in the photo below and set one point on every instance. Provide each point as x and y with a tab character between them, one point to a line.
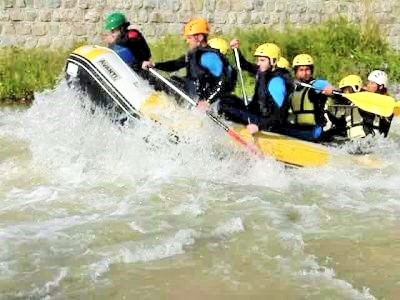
236	52
396	110
246	103
232	133
375	103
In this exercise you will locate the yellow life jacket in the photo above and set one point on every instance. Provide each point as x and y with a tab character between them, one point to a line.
302	111
354	121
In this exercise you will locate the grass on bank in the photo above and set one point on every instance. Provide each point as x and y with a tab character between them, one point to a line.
23	71
338	47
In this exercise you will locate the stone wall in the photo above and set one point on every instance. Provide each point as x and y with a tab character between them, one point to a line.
59	23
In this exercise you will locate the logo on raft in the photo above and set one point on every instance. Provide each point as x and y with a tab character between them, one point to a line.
114	75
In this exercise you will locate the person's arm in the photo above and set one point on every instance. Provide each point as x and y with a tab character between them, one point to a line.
384	125
135	41
172	65
139	44
368	121
246	65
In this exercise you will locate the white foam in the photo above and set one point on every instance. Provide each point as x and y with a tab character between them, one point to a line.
168	247
45	291
93	171
322	277
229	228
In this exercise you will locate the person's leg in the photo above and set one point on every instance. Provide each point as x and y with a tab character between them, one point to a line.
233	109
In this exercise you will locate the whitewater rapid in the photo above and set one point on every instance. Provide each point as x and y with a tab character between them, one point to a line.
90	208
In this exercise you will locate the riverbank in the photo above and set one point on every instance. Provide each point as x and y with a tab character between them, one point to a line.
339	48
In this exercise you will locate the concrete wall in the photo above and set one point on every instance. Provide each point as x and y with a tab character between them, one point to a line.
59	23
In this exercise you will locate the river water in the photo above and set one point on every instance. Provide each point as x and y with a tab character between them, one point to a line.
90	209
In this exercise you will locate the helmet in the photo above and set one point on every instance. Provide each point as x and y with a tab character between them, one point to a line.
283	63
114	20
196	26
272	51
379	77
353	81
220	44
303	60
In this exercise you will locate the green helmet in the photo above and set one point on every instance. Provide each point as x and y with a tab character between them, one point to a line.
114	20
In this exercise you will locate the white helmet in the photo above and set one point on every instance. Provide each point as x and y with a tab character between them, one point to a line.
379	77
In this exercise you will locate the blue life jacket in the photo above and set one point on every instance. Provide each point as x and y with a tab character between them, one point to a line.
124	53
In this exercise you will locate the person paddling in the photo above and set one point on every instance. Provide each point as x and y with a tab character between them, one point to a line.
377	83
269	105
127	42
342	109
307	115
207	71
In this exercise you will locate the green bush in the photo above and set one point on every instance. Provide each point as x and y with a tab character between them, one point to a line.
23	71
338	47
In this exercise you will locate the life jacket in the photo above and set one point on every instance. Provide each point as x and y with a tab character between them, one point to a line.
354	125
200	79
304	111
136	43
263	102
373	124
124	53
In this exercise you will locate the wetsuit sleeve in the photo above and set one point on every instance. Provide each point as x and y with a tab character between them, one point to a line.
246	65
384	125
172	65
139	44
319	100
136	43
368	121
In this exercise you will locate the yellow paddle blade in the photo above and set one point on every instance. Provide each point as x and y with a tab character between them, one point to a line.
155	106
161	109
375	103
396	110
287	149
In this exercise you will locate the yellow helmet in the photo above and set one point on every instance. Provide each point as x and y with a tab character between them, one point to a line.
283	63
303	60
353	81
220	44
272	51
196	26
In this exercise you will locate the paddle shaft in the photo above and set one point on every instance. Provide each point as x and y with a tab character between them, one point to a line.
233	134
236	52
313	87
246	103
178	91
